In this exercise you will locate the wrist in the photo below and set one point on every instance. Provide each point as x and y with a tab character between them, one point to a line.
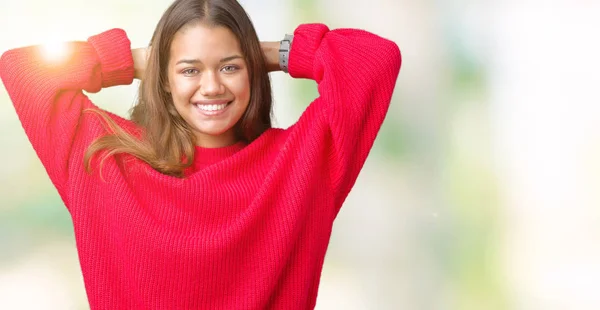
284	52
271	52
139	62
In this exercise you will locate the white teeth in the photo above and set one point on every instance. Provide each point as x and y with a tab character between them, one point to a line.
211	107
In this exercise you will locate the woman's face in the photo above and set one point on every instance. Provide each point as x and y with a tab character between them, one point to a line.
209	82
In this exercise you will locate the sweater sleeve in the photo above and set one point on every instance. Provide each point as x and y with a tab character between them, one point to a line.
356	72
48	98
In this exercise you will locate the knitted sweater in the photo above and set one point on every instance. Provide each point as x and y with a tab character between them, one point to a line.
249	226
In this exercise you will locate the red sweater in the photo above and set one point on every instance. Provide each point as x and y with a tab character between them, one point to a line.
249	227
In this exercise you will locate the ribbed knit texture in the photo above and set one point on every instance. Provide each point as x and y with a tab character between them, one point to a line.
249	226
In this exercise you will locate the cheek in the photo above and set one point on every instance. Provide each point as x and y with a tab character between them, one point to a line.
241	89
181	89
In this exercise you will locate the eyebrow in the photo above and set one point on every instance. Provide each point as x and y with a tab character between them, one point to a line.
195	60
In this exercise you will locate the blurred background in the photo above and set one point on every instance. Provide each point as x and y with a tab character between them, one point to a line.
481	191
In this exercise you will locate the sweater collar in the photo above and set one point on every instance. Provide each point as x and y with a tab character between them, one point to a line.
207	156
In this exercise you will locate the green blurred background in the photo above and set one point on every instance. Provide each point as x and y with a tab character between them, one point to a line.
480	191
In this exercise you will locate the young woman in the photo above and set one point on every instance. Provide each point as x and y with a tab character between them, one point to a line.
196	202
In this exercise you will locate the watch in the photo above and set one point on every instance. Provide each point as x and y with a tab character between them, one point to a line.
284	52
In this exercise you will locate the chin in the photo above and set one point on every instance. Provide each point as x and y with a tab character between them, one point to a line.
213	132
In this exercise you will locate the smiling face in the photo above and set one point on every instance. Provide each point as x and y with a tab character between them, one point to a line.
209	82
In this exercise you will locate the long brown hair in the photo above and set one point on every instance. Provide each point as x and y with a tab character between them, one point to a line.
167	142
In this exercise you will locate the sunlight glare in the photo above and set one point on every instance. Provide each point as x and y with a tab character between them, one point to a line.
55	51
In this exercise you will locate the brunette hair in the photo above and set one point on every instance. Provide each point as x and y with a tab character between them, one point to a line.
167	142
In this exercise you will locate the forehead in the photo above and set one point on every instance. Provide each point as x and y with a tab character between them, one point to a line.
206	43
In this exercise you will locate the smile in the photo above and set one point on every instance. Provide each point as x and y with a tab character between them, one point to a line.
211	108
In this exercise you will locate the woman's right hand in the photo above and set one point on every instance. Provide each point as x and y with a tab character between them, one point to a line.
140	56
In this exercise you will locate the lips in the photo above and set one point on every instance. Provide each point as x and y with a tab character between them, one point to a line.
211	107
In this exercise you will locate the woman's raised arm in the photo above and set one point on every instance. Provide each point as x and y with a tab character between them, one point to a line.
48	98
356	72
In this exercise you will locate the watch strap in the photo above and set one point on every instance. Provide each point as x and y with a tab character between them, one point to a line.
284	52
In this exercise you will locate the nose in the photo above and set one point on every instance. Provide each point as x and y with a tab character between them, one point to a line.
210	85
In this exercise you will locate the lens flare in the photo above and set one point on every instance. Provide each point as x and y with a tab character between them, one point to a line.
55	51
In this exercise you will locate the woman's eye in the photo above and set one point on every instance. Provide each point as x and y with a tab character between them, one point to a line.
189	71
229	69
